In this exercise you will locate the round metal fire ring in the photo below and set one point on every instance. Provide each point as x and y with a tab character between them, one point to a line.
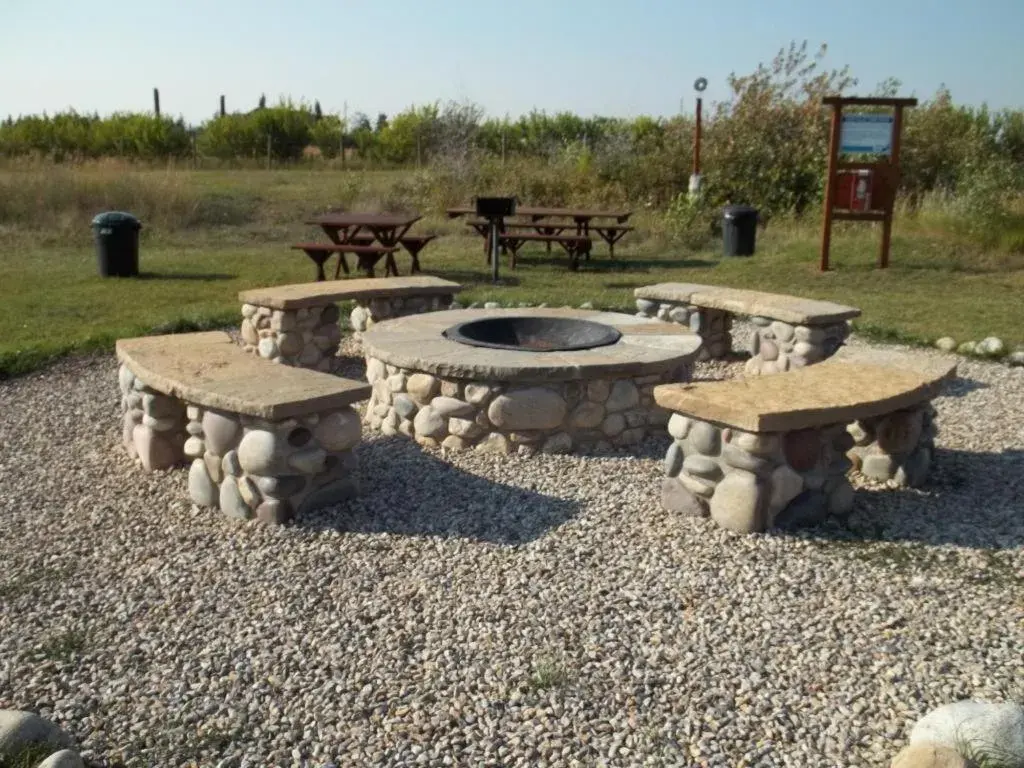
533	334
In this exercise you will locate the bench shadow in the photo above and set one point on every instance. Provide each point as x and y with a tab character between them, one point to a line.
400	495
199	276
961	387
350	367
506	275
971	499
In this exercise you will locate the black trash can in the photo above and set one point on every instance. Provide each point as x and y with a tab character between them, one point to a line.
117	243
739	230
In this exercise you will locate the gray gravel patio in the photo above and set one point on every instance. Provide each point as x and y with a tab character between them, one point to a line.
479	610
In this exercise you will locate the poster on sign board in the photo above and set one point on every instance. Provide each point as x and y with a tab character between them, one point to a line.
866	134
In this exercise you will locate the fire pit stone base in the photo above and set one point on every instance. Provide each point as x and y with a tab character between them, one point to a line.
523	417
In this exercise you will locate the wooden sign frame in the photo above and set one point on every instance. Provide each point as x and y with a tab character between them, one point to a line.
885	174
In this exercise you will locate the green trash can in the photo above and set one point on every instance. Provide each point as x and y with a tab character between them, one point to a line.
117	243
739	230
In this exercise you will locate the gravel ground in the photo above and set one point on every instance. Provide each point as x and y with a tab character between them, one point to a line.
471	610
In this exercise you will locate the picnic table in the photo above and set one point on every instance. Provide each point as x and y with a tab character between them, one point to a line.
582	218
386	228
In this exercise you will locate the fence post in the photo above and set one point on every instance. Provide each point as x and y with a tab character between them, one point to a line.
156	101
222	112
268	151
344	127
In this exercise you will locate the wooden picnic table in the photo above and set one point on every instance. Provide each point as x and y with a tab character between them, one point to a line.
386	228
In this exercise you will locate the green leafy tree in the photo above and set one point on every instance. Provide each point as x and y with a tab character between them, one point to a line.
768	144
327	135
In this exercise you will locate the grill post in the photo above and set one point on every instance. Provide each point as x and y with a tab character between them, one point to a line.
495	209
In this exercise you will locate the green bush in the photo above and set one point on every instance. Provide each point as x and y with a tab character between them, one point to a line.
289	130
69	136
327	134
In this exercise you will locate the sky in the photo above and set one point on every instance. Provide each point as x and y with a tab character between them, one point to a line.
586	56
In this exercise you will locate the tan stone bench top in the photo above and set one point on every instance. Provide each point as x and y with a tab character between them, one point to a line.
777	306
325	292
831	392
210	370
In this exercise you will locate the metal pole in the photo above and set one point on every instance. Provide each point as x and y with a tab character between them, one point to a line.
494	250
694	189
696	141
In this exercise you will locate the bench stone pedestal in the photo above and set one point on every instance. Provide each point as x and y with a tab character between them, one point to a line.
153	423
262	441
779	346
250	467
307	337
245	466
792	332
714	326
747	481
370	311
776	450
897	447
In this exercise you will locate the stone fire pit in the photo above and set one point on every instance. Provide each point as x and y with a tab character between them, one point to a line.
555	380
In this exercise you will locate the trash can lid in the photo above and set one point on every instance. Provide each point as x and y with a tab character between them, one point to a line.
736	211
115	219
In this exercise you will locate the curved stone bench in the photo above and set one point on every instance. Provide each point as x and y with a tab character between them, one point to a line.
298	324
759	451
792	332
264	441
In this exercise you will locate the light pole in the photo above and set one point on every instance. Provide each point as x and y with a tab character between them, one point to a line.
699	85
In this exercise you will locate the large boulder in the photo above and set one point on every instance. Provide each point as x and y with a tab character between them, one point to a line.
21	731
528	408
975	727
928	755
66	758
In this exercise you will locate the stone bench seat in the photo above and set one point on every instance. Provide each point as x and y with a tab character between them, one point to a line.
760	451
298	324
791	331
264	441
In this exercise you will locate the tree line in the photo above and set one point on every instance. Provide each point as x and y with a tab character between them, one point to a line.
766	143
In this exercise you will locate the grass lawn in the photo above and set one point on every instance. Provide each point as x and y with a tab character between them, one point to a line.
53	301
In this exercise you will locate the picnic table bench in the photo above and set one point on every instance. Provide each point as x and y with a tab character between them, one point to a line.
355	229
511	241
576	246
367	253
583	219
